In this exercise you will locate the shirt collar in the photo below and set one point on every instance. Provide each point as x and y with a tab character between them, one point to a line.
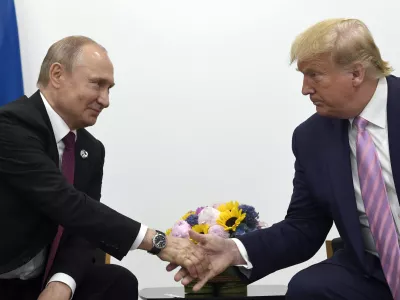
375	111
60	128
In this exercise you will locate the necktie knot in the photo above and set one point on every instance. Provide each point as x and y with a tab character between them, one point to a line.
360	123
69	140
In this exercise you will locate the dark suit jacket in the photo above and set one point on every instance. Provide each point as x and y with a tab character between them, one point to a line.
323	192
35	196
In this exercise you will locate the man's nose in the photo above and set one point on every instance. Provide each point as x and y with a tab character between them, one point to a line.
104	99
306	88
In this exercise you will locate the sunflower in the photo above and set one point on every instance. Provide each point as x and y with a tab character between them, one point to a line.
228	206
185	216
201	228
231	219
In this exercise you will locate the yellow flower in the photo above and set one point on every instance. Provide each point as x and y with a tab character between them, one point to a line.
231	219
201	228
168	232
228	206
185	216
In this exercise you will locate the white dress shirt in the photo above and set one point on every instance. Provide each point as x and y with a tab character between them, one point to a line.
37	264
375	113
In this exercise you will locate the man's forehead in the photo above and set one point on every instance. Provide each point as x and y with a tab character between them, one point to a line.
313	63
92	54
95	72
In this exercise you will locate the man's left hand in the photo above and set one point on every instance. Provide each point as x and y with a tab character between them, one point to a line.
56	291
221	254
185	253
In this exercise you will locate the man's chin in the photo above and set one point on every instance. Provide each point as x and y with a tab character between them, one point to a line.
322	111
89	122
328	113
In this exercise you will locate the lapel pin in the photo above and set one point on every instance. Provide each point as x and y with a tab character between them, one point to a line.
84	153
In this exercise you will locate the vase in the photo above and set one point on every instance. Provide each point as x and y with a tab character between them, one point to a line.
228	283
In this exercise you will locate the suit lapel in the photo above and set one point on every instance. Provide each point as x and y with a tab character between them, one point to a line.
339	164
393	119
83	163
37	102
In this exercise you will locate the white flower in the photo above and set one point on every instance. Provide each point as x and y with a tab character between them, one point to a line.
209	216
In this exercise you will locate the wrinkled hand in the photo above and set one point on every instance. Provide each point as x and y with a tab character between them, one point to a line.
56	291
221	253
183	252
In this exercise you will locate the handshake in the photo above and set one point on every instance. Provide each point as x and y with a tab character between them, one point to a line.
199	259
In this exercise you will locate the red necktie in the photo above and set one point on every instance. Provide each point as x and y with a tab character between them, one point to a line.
68	168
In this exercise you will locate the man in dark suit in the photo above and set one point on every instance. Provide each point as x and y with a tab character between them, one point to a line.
347	170
51	169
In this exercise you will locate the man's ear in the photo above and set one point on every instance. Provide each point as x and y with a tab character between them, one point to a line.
358	72
56	74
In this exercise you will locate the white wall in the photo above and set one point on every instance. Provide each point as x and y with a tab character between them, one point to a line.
205	101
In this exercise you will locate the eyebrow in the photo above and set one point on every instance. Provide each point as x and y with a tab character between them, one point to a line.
112	84
307	70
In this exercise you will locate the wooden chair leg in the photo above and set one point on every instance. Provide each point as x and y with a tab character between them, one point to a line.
329	249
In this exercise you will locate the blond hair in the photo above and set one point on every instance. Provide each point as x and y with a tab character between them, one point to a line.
65	52
347	41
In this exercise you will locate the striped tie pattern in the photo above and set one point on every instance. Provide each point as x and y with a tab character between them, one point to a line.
377	209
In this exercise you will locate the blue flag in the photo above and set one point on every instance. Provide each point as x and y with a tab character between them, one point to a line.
11	84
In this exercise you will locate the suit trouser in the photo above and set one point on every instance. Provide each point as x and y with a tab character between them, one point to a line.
101	282
338	278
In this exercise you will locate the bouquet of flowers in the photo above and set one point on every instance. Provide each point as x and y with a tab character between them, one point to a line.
226	220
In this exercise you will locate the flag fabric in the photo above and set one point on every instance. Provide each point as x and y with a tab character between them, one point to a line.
11	82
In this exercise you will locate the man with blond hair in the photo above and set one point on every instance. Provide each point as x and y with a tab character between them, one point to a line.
51	169
347	171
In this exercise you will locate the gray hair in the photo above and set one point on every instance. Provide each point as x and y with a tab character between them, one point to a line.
65	52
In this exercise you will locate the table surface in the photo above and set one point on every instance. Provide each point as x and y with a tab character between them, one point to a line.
269	292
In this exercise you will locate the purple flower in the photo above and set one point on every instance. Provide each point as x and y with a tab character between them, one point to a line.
193	220
198	210
181	229
219	231
251	219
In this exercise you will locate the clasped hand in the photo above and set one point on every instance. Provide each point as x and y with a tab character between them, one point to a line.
202	261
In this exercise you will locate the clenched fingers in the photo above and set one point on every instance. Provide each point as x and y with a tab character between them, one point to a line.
196	262
182	273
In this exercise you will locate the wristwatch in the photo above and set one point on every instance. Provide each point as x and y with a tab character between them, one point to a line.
159	242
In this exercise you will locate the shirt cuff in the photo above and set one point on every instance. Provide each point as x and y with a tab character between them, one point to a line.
245	269
140	237
64	278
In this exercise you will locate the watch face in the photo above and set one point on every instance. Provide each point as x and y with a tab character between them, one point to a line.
159	241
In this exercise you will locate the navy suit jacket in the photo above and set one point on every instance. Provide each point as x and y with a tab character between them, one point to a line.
323	192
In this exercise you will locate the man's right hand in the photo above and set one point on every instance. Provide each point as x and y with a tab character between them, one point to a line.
181	252
221	252
185	253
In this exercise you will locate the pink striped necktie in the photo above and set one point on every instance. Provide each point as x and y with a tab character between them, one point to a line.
377	209
68	169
